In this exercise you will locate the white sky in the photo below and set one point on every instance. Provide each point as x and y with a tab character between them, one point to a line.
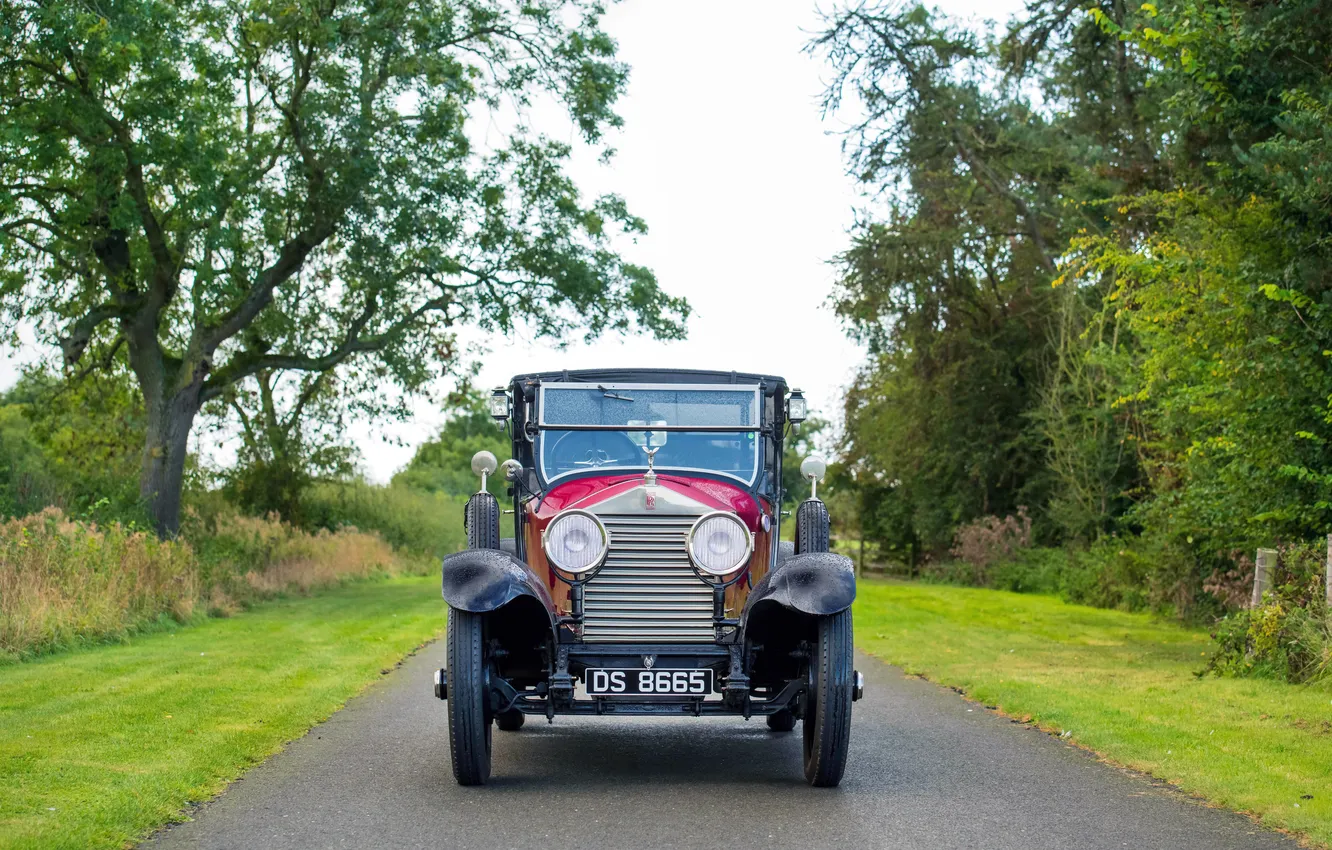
726	156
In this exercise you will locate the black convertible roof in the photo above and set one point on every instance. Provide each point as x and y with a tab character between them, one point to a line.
649	376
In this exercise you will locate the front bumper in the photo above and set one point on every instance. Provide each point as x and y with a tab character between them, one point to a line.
732	696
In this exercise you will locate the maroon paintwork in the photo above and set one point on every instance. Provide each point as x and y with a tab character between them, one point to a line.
588	492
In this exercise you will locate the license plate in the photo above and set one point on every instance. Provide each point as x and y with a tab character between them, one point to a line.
643	682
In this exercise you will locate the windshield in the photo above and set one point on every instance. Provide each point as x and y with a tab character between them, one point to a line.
634	411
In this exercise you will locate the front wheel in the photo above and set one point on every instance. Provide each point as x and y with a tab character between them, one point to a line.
828	702
469	721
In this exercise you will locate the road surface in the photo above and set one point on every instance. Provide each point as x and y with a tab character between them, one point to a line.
927	770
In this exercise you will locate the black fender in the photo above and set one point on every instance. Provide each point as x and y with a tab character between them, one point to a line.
485	580
816	583
784	609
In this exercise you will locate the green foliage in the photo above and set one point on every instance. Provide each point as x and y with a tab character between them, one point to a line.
1289	635
26	483
421	523
797	446
72	444
228	190
949	286
444	464
287	447
1104	285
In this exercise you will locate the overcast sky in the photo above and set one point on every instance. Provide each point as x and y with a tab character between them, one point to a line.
725	153
741	181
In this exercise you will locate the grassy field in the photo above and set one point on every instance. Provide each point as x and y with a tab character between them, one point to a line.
101	746
1122	685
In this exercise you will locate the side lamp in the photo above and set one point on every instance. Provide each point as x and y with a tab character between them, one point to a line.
499	405
483	464
797	409
812	469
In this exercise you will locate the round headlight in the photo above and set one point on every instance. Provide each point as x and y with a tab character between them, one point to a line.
576	542
719	543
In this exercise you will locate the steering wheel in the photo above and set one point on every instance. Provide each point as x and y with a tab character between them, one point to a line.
589	454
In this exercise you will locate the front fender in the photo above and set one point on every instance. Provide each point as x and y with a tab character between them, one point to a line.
816	583
484	580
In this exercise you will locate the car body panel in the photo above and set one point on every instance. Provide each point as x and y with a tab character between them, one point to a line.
672	495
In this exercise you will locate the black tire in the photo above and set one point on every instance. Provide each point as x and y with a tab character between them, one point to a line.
510	721
782	721
469	723
828	702
812	533
482	522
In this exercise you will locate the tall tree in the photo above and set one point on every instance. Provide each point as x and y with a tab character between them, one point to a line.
225	189
949	285
1226	276
988	156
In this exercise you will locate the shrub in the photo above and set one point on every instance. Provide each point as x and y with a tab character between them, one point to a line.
62	582
1032	570
427	524
989	540
1289	634
249	557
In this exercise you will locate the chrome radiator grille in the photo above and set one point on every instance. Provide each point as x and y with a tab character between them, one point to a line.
647	592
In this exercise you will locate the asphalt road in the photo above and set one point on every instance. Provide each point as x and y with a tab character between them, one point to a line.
928	770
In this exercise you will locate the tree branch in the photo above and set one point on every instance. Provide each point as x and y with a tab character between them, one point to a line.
353	343
74	344
288	262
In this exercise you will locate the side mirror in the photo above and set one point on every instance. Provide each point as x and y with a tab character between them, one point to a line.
511	469
483	464
812	469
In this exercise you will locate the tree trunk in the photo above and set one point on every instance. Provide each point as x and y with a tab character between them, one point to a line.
165	446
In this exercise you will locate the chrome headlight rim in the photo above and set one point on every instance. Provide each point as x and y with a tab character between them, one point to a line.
582	573
734	572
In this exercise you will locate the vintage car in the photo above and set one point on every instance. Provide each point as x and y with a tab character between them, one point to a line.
645	575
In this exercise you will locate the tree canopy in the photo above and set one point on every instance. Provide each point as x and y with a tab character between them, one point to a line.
210	191
1095	276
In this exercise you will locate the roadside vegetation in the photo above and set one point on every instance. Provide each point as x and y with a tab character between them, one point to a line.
1122	684
180	713
1095	288
90	571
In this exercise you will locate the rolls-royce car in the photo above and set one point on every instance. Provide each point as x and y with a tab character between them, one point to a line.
646	572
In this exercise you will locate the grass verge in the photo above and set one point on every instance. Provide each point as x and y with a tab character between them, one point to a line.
100	747
1122	685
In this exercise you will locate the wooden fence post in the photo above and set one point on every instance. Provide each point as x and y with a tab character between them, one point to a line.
1327	580
1262	575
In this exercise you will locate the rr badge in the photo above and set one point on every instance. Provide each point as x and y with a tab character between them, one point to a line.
650	501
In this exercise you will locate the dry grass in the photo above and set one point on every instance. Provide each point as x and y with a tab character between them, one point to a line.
291	559
63	582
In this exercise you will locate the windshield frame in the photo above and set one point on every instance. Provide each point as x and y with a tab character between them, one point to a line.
756	416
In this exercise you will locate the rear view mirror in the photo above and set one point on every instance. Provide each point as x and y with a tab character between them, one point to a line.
647	439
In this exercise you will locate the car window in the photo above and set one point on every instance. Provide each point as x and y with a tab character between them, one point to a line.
564	452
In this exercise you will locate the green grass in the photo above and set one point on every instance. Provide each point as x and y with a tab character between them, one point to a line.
100	747
1122	685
